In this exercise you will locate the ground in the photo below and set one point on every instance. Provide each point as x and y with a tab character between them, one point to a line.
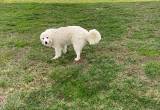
121	72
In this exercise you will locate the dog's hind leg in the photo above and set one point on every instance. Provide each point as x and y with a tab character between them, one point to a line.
78	48
65	49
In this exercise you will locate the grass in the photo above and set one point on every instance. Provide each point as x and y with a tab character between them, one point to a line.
153	70
121	72
70	1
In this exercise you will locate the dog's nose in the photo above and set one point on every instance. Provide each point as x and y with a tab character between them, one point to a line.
45	42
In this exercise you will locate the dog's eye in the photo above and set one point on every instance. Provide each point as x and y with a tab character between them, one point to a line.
43	38
47	37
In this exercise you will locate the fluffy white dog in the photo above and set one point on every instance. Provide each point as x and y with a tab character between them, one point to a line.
59	38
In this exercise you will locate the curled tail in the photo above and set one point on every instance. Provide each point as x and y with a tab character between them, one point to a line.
93	37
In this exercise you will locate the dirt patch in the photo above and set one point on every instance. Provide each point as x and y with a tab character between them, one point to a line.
146	59
132	69
138	71
2	100
129	32
21	54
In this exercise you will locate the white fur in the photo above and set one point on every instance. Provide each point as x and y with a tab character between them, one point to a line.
59	38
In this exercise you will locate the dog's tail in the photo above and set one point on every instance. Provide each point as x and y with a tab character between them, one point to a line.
93	37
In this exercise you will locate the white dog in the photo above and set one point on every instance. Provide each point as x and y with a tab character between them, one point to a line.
59	38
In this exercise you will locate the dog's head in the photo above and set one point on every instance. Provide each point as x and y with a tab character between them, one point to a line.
46	38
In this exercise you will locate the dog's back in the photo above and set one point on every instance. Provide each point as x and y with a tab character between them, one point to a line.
72	30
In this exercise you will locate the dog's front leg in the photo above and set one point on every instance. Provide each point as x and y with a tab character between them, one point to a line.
58	51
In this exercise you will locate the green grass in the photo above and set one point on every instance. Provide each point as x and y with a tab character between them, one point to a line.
152	69
121	72
70	1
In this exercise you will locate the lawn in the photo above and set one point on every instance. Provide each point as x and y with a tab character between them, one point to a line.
121	72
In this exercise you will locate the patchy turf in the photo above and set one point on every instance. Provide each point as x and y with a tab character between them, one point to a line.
121	72
70	1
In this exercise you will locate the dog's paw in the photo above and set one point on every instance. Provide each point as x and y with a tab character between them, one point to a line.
77	59
78	62
56	57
